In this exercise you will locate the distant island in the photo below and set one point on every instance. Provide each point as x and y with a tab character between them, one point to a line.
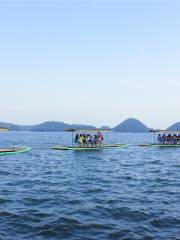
129	125
175	126
48	126
52	126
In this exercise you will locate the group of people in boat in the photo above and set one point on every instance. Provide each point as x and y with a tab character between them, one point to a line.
89	140
169	138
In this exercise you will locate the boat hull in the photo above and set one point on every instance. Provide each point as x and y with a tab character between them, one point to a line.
9	151
159	145
90	148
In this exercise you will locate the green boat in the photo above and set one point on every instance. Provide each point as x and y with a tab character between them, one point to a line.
159	145
88	147
167	142
14	150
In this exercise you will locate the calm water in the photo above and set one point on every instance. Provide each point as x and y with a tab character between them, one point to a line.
131	193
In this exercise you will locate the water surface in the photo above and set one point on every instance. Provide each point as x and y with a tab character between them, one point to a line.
131	193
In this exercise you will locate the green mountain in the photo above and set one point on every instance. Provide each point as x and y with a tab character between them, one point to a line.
175	126
52	126
15	127
131	125
105	128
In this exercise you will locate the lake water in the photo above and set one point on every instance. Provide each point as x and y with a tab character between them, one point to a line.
130	193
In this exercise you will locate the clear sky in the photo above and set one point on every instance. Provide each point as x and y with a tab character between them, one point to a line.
95	62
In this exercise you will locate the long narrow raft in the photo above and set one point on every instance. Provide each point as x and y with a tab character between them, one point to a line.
90	148
14	150
159	145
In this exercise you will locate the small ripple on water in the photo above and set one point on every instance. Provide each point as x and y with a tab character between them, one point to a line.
35	201
128	214
5	200
165	222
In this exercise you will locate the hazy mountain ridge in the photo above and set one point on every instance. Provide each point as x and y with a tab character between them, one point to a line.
15	127
53	126
129	125
175	126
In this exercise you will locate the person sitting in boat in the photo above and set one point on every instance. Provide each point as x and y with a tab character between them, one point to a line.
95	139
178	138
171	138
175	139
81	139
87	136
163	139
159	138
84	139
87	139
91	140
99	140
77	139
100	137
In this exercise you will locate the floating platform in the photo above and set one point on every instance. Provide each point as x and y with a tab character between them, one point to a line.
90	148
6	151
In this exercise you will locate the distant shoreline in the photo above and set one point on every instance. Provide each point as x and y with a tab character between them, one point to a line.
130	125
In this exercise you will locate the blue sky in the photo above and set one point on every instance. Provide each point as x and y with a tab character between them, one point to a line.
95	62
